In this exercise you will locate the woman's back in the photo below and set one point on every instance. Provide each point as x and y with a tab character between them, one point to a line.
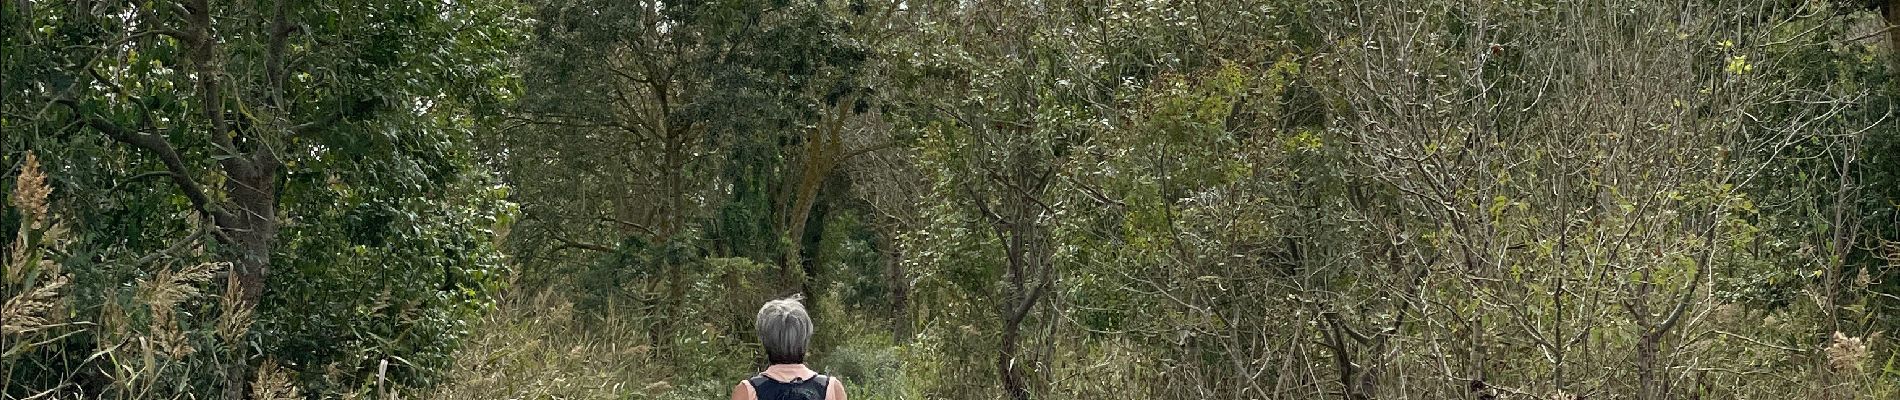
765	388
789	382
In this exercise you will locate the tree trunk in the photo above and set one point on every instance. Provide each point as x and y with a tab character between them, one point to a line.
824	149
1013	382
900	292
805	195
1892	13
250	232
253	229
1342	359
1022	245
1649	386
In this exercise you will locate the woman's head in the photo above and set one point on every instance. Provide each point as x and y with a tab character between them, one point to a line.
784	330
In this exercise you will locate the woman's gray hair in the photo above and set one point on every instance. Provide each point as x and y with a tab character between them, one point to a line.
784	330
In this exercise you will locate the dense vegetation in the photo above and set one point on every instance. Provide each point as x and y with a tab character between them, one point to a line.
1246	199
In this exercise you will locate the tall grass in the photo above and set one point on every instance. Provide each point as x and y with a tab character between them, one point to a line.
35	298
536	348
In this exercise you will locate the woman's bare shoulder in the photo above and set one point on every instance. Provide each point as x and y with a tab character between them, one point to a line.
743	391
835	389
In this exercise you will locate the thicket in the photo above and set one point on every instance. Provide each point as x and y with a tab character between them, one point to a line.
229	186
1401	199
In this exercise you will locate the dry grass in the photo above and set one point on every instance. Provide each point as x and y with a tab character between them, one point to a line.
273	383
162	294
1847	354
540	347
533	348
30	192
34	281
27	312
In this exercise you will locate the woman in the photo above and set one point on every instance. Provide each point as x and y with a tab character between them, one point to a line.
785	332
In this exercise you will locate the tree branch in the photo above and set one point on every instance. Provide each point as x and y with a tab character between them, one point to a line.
1029	302
642	228
570	244
174	165
1333	318
867	149
170	251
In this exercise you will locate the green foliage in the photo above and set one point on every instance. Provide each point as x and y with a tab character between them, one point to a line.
1225	199
390	223
390	279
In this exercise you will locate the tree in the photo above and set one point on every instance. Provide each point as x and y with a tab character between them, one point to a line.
242	103
988	147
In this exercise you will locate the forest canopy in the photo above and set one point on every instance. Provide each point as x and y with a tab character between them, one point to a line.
1242	199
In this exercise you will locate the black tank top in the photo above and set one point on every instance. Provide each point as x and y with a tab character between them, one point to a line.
797	389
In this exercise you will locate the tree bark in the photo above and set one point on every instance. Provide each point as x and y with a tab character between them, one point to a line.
805	195
1892	13
899	282
824	151
1013	382
250	232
